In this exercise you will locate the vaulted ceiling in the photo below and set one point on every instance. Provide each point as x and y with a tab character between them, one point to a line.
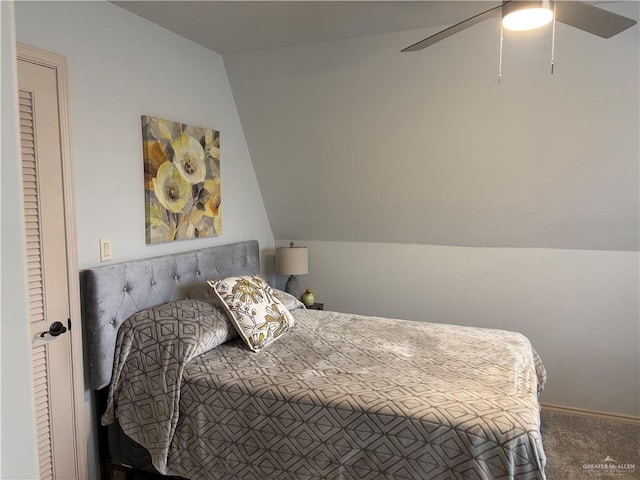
353	140
237	26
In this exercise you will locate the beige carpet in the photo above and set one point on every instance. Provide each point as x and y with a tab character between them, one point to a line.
585	448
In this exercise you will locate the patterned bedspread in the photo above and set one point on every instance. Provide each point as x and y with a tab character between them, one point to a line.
354	397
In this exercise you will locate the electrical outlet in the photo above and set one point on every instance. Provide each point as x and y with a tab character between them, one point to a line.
105	249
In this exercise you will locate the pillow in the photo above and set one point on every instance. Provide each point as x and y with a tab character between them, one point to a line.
187	327
254	309
290	302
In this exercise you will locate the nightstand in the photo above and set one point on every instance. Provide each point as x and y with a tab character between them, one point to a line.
316	306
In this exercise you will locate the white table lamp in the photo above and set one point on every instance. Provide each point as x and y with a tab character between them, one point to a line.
292	261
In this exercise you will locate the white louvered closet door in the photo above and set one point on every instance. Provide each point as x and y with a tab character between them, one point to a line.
47	269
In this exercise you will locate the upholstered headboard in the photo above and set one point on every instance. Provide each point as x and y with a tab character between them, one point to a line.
112	293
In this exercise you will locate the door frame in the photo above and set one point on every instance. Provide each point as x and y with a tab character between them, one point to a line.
59	64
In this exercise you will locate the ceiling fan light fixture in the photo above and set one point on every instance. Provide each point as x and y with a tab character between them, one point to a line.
521	16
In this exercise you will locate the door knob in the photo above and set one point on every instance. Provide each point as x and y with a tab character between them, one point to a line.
55	329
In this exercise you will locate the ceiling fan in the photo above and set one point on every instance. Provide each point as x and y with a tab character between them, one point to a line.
527	15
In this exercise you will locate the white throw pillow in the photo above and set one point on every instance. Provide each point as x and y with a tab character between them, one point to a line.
254	309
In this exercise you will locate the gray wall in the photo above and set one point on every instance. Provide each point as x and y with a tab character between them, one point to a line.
121	67
425	190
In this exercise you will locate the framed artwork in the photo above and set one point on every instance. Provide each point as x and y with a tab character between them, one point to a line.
181	180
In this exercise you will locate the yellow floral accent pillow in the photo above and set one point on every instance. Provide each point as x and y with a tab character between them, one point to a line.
254	309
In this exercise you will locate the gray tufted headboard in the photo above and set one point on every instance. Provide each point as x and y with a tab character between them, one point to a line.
112	293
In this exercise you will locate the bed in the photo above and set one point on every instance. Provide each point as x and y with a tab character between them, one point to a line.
340	396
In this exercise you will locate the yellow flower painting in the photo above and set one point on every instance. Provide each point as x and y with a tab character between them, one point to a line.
181	180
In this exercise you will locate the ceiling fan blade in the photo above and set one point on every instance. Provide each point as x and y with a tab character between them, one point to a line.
592	19
447	32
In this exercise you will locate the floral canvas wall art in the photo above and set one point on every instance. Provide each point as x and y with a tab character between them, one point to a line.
181	180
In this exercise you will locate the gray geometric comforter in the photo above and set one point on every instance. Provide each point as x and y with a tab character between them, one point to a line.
353	397
153	347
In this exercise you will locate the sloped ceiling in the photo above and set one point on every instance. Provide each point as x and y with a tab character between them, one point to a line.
353	140
237	26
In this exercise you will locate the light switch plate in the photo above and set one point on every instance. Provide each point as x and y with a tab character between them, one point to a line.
105	249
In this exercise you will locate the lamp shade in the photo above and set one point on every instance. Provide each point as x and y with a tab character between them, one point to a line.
292	260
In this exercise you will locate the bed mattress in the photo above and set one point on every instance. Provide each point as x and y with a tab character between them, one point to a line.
354	397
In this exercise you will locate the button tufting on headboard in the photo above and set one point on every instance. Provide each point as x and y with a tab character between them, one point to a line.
112	293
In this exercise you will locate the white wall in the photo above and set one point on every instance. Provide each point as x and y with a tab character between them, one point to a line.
121	67
354	141
374	157
579	308
18	457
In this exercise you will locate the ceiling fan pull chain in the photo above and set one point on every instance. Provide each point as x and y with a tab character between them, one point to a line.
500	60
553	38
